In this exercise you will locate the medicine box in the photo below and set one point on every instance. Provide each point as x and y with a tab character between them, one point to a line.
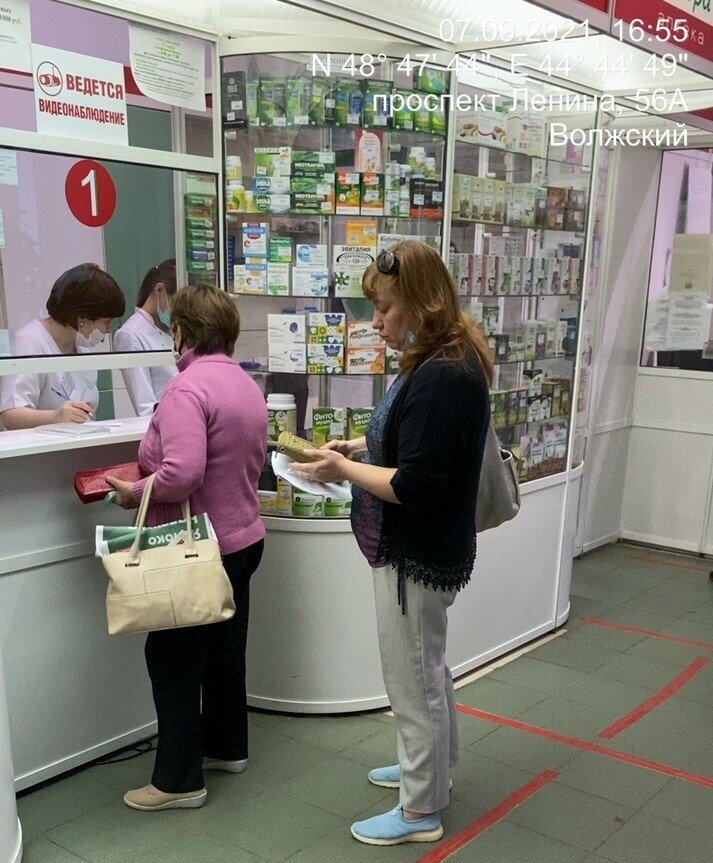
326	328
286	329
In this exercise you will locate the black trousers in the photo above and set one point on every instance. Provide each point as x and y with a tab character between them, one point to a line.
198	681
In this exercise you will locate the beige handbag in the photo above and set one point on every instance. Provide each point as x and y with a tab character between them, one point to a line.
169	586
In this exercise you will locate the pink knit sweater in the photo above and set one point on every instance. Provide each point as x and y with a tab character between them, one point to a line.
207	441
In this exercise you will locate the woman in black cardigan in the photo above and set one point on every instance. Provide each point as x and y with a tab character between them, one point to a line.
414	518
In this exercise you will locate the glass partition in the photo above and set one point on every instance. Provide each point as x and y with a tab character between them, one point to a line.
678	332
81	73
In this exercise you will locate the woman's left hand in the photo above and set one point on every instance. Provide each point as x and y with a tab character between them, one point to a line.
124	492
328	466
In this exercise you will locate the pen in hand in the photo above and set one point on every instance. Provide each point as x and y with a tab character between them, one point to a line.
73	412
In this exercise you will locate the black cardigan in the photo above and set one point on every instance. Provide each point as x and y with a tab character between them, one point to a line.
435	436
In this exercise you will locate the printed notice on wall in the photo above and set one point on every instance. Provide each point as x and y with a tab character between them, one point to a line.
168	67
8	167
688	320
15	40
692	264
2	231
78	96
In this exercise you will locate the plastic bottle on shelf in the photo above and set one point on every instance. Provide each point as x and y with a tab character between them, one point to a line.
234	169
281	414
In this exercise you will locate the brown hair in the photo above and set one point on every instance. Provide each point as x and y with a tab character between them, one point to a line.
207	317
427	292
164	273
85	291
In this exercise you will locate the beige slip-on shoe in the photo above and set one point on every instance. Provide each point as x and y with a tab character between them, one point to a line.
146	800
227	766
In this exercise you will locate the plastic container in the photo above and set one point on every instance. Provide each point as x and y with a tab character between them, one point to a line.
281	414
234	168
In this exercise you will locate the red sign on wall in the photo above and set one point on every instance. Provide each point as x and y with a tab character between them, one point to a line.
696	38
90	193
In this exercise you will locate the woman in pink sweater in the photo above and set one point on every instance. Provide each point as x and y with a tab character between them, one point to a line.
206	442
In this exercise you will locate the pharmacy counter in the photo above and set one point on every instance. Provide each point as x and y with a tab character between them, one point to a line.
73	692
10	830
313	644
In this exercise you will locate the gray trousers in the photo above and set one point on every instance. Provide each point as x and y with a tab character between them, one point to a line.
420	687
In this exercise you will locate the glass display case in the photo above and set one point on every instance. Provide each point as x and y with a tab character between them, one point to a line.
517	250
322	172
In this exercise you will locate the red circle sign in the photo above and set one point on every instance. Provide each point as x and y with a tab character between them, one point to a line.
90	193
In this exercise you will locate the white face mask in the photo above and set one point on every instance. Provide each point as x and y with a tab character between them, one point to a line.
95	338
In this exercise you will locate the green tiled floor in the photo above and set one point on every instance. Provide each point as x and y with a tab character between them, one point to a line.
306	781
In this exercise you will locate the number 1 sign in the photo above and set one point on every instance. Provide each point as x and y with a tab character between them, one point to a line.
90	193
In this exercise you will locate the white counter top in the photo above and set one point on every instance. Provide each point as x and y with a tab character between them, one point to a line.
32	442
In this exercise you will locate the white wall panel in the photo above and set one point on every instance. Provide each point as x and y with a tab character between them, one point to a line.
667	487
632	204
606	468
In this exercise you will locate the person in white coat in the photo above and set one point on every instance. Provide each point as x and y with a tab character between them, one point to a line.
149	329
82	304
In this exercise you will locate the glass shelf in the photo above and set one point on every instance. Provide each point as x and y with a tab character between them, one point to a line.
585	169
518	296
465	222
553	418
234	214
535	360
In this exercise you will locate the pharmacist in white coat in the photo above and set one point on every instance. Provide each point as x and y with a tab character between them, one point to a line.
149	329
81	306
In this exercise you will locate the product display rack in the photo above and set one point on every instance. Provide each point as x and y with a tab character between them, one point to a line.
517	231
306	194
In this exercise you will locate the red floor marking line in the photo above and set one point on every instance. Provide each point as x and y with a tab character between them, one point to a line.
622	627
485	822
597	748
671	564
652	703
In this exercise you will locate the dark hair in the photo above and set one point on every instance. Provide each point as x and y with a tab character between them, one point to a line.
207	317
85	291
426	290
165	272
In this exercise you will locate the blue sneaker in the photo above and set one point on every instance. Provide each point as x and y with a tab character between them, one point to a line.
390	777
386	777
392	828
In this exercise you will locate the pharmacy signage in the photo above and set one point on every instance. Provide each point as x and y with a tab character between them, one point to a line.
78	96
693	35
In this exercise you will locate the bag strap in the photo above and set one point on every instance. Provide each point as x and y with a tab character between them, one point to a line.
134	558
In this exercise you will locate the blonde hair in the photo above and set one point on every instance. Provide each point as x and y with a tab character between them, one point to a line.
207	317
427	293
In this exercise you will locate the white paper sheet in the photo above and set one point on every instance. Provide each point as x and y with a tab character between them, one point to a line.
281	464
15	36
168	67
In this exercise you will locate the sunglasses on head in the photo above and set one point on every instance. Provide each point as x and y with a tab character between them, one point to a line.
387	262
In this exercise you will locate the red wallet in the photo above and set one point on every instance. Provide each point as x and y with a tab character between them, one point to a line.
91	485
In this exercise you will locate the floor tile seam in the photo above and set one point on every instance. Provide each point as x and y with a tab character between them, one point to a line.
493	816
658	699
674	638
45	833
331	811
59	845
206	829
595	748
665	561
563	781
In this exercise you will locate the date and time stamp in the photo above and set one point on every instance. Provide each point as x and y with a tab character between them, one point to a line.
567	46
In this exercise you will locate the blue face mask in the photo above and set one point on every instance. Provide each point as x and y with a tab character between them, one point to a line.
164	315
